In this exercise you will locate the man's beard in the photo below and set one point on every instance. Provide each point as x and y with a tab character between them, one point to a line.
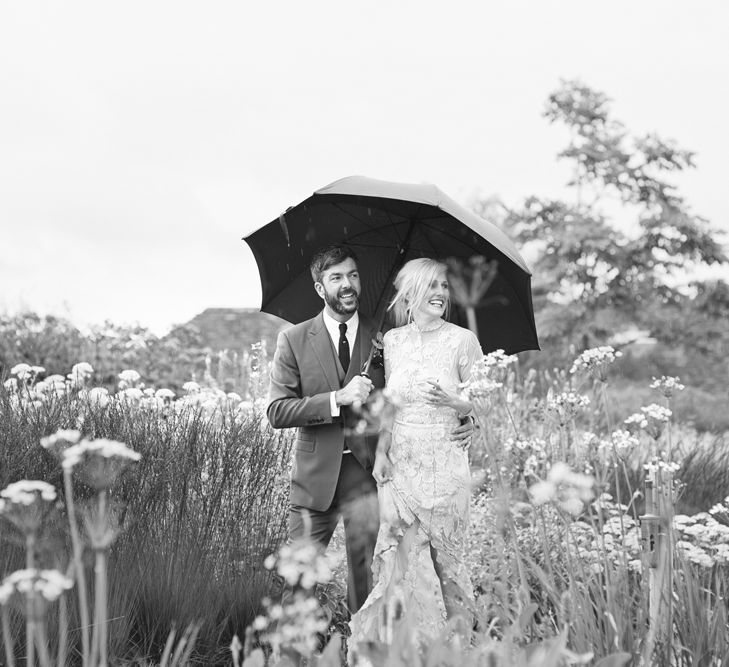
334	302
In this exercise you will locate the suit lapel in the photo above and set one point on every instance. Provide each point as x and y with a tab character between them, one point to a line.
321	344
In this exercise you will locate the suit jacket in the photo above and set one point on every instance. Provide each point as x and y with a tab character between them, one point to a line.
305	371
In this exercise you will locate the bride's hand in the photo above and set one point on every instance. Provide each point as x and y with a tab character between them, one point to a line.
382	471
436	395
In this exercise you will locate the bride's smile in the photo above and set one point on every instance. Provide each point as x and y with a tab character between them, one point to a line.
435	301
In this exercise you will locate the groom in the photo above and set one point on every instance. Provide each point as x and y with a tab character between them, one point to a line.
315	381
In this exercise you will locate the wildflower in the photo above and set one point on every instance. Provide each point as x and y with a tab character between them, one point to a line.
295	626
651	419
528	456
566	405
495	365
235	398
595	361
21	370
191	387
694	553
721	508
164	394
53	384
568	489
668	385
51	584
26	492
377	413
26	372
80	373
133	394
24	503
98	397
302	563
128	378
635	565
657	464
100	461
11	385
60	441
624	442
657	412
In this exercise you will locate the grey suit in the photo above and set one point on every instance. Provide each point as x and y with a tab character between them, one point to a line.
325	482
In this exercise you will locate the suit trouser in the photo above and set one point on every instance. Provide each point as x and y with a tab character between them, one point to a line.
355	500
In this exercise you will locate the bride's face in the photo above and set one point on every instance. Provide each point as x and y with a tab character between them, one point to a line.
436	297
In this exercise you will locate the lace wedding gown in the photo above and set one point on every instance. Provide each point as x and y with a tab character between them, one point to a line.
424	508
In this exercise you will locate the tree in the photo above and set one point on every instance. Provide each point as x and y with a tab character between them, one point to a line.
593	280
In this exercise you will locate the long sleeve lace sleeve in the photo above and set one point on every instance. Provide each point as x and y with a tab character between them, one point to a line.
469	353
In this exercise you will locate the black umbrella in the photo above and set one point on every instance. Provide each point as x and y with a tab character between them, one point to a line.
387	224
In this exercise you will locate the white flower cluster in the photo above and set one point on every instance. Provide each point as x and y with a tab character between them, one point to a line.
302	563
622	443
25	503
131	392
294	626
60	440
80	374
51	584
702	539
595	361
650	418
617	542
487	375
527	455
498	359
28	390
106	449
297	624
658	464
567	489
721	509
26	372
26	492
128	378
668	385
566	405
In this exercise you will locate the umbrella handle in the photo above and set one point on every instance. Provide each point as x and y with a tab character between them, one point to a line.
366	367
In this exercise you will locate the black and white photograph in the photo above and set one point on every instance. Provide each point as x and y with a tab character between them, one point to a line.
342	334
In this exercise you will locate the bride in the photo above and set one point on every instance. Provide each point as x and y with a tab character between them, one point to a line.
422	475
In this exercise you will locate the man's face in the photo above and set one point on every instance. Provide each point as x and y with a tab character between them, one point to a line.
340	289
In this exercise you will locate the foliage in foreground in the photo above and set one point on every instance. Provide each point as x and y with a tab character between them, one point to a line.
189	525
555	549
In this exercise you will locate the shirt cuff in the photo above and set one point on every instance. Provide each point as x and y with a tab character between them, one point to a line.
333	404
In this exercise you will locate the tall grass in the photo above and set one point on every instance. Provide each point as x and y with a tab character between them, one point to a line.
558	580
195	518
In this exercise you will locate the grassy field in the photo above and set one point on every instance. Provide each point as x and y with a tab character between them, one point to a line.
557	553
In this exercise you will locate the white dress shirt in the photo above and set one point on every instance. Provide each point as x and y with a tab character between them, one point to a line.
332	326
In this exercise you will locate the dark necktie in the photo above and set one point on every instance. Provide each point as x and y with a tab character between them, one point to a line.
343	349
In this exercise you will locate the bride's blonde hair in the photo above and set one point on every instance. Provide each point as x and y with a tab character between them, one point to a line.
412	283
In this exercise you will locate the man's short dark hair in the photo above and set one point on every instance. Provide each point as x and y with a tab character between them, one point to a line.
329	256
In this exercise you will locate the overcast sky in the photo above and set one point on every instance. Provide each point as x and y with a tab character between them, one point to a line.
139	141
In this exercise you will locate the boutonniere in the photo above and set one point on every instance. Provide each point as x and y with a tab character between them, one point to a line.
375	359
377	348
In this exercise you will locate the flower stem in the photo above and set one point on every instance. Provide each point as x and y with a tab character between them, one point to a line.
30	603
100	586
41	641
79	565
62	630
7	637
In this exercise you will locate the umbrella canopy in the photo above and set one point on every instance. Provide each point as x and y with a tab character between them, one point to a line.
387	224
